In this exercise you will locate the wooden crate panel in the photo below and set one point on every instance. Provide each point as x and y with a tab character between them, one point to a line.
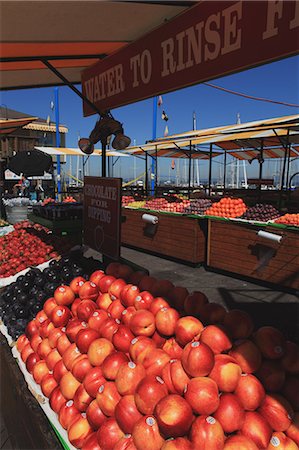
237	248
250	250
176	237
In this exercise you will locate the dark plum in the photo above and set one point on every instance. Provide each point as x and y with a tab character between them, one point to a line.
39	281
41	296
8	296
31	302
23	298
21	279
49	273
36	272
77	271
30	275
36	307
22	313
33	291
27	285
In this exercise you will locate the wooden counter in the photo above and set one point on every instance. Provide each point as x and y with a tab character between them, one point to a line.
236	247
176	236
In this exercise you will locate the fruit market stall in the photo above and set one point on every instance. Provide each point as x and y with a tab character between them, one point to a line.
173	234
140	363
222	233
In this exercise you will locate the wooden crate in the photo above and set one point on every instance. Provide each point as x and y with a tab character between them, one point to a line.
237	248
176	236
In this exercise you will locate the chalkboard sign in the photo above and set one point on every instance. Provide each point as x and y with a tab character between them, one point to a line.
102	215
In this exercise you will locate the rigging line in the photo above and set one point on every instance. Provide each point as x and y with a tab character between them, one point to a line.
261	99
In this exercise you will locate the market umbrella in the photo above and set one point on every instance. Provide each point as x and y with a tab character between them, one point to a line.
30	163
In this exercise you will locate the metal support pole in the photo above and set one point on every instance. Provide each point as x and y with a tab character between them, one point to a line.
2	181
262	161
109	166
210	169
57	143
189	175
155	161
224	171
282	178
146	174
283	169
71	86
104	146
288	166
261	169
154	135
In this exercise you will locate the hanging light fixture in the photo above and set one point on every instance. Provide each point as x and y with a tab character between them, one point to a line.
105	127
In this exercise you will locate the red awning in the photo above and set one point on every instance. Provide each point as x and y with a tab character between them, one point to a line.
11	125
70	35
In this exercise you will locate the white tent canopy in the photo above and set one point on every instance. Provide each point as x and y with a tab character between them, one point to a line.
59	151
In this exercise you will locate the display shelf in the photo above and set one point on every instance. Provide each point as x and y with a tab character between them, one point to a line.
55	225
174	236
236	248
70	228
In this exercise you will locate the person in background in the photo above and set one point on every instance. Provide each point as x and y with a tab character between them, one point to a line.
25	186
40	193
17	188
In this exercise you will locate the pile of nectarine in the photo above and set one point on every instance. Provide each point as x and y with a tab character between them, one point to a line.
131	362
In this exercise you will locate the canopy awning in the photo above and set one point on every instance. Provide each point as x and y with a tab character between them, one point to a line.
59	151
71	35
269	133
272	153
169	151
11	125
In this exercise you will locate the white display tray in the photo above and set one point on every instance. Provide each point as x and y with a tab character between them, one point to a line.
35	390
6	230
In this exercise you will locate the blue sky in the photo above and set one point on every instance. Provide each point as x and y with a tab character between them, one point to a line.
277	81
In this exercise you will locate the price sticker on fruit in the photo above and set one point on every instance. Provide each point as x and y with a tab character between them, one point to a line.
102	209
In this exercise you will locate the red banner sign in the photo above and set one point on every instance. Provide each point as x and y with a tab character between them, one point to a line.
209	40
102	214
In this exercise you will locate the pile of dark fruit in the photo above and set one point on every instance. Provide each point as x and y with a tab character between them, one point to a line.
198	206
22	300
261	213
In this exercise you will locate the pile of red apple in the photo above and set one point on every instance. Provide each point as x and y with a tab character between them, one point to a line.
26	224
69	199
161	204
28	246
131	362
48	200
126	199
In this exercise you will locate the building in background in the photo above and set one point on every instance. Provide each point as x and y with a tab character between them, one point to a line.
41	132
